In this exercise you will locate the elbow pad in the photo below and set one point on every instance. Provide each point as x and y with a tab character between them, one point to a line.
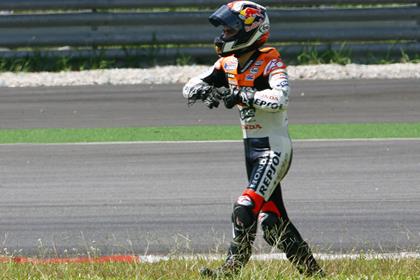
279	80
271	100
276	98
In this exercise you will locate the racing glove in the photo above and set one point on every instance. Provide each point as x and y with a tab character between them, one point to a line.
243	96
203	92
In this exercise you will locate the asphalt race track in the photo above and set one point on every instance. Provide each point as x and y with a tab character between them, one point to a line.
159	198
152	198
153	105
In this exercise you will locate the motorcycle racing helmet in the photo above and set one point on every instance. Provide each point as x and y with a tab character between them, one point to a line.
246	24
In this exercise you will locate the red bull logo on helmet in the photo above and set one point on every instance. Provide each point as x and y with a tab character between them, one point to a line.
249	12
249	15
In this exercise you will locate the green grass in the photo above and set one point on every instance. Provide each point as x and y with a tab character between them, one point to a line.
200	133
153	55
344	55
188	269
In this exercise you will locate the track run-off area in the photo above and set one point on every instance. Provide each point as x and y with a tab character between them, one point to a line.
161	198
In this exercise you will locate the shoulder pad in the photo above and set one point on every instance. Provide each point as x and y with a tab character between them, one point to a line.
218	64
229	63
273	62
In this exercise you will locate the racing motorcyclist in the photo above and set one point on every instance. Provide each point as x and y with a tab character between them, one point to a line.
254	79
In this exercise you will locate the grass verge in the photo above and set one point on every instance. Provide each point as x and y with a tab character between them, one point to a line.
188	269
200	133
156	54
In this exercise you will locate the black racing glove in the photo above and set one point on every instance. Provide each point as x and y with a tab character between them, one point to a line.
244	96
205	93
211	102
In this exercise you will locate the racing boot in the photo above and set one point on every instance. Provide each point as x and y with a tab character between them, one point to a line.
309	267
244	231
298	253
281	233
238	256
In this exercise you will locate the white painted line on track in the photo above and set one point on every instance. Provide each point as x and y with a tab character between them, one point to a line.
208	141
281	256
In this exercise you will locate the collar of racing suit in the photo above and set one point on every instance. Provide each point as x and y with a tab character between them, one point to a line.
249	62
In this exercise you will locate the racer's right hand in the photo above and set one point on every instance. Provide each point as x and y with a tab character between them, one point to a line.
199	91
203	92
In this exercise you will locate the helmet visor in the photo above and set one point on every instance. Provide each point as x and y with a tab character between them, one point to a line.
224	16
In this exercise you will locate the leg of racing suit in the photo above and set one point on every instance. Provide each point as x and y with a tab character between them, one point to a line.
260	168
244	223
244	217
262	165
265	169
280	232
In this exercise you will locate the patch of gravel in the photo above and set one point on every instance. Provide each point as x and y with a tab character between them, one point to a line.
180	74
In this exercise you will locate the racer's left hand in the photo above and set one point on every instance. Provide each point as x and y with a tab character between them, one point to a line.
243	96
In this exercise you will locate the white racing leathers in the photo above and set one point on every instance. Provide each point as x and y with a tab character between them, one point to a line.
268	153
266	137
265	123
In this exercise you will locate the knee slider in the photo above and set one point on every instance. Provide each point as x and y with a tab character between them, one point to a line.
270	224
242	216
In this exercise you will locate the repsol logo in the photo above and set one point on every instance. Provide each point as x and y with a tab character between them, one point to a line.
266	173
263	103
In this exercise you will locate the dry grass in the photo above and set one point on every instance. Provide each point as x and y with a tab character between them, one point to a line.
361	268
